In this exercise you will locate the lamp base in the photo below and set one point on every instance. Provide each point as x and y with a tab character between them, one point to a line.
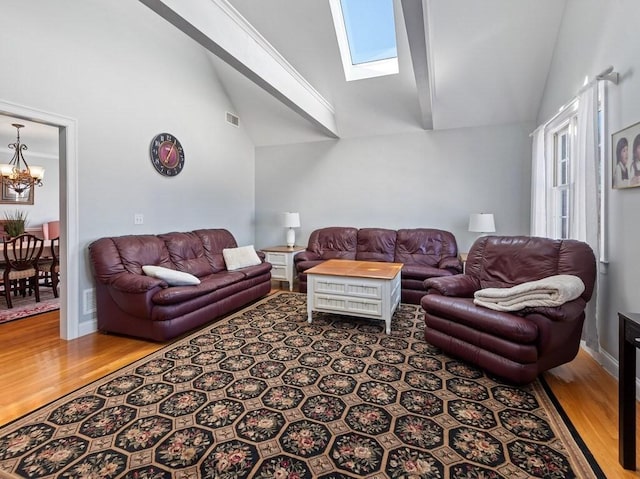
291	237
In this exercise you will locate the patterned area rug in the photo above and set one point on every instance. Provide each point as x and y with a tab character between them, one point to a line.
263	394
27	306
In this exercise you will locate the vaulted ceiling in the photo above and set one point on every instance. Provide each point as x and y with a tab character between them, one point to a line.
487	64
463	63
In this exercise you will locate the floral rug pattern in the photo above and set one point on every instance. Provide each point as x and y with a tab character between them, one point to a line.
264	394
27	306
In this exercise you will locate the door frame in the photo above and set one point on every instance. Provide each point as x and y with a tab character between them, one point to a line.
68	193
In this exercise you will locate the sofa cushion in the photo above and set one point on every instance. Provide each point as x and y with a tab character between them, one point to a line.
423	272
241	257
334	242
213	242
134	251
376	244
424	246
179	294
256	270
187	253
171	276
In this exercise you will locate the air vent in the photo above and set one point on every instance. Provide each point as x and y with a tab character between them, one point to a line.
233	120
89	301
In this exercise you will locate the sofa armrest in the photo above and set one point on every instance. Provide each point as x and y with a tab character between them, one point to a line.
306	255
133	293
567	312
459	285
452	263
138	304
135	283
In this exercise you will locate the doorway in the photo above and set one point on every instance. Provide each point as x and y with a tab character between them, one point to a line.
68	190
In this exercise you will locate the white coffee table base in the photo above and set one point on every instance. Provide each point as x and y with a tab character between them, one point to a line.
352	296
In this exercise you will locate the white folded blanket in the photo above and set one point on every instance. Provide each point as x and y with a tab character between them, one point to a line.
551	291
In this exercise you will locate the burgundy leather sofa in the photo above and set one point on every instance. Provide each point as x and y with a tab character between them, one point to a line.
424	253
131	303
516	345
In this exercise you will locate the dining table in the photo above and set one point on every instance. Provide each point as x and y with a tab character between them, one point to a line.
46	251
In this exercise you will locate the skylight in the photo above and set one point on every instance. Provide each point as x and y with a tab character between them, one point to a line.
366	35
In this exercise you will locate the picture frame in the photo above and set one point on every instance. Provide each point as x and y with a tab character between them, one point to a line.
625	146
10	197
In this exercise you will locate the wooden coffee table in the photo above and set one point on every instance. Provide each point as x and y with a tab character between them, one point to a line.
368	289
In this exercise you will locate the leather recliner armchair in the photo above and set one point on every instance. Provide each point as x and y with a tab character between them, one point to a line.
516	345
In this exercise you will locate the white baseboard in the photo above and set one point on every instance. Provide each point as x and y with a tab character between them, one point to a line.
87	327
609	363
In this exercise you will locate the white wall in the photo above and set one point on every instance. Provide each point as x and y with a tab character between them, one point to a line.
427	179
125	75
594	35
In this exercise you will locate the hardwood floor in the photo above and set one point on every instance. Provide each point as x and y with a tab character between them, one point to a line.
37	367
589	396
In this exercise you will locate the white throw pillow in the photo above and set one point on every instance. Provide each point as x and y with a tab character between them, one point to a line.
236	258
171	276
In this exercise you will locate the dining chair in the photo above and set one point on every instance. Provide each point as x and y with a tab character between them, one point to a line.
49	267
21	255
51	229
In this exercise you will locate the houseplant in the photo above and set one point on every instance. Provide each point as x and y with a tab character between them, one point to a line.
15	223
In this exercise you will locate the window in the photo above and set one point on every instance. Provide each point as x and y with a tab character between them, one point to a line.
560	146
560	138
365	30
561	183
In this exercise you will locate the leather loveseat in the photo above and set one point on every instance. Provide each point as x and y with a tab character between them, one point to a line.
132	303
516	345
424	253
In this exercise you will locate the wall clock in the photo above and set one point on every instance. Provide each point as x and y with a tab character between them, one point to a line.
167	154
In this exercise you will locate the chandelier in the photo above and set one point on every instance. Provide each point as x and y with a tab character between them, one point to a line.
17	174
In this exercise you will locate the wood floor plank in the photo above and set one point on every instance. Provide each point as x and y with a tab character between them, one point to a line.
36	367
589	396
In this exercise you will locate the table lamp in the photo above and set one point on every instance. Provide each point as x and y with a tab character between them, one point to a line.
291	220
482	223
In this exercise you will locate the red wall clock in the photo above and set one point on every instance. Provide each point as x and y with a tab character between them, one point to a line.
167	154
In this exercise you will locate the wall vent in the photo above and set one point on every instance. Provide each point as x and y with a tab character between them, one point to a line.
89	303
233	119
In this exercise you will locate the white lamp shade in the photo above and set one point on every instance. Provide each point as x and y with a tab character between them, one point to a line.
292	220
482	223
5	169
37	172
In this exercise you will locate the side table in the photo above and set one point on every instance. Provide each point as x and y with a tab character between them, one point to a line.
281	259
629	340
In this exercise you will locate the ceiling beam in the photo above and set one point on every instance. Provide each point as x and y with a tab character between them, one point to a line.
415	20
218	27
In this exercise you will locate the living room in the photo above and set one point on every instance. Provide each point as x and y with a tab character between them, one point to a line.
124	74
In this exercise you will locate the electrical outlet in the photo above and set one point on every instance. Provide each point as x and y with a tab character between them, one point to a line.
138	219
